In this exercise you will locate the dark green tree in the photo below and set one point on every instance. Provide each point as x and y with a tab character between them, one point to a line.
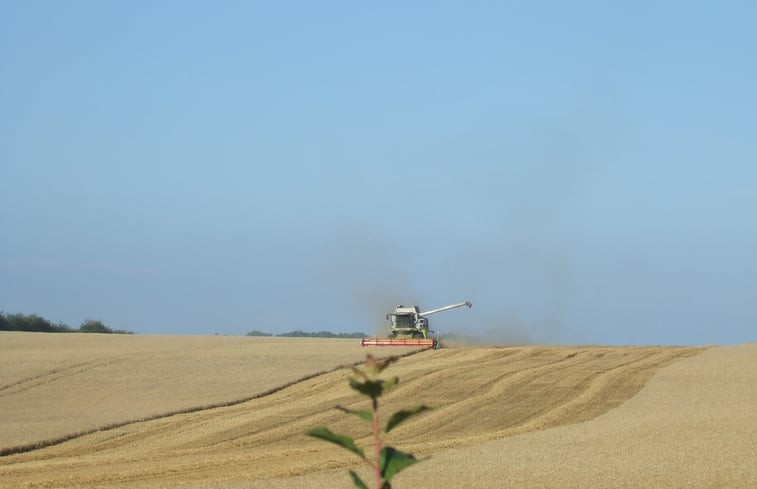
30	323
258	333
94	326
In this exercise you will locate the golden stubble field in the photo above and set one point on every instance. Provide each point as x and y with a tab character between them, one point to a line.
213	412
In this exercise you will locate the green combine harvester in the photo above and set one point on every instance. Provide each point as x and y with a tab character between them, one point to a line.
409	327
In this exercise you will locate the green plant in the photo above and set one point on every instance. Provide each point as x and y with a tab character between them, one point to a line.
385	461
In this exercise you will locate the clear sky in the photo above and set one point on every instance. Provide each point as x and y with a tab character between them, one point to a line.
583	172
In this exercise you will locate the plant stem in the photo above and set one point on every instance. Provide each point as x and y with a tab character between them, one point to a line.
376	444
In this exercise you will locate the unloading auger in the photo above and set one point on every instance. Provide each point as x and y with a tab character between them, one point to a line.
409	327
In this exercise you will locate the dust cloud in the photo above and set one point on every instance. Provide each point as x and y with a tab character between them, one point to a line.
504	239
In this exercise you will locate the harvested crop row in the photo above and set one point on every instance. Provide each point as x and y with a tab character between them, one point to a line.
478	394
55	385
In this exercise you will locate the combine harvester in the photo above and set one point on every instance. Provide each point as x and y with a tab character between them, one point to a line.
409	327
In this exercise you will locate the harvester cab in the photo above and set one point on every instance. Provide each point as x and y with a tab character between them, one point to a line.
408	326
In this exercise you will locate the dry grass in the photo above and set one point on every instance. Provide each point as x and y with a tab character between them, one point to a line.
516	417
55	385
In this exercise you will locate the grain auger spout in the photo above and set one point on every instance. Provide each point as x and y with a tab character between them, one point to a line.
446	308
409	327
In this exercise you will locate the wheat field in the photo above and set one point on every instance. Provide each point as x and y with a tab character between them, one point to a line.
227	412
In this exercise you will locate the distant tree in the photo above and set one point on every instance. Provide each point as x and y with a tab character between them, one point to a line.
320	334
62	328
94	326
38	324
258	333
122	331
295	334
358	334
30	323
97	326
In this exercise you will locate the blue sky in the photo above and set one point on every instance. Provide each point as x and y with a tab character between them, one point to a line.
583	172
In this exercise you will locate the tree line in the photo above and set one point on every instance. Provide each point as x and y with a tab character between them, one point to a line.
308	334
37	324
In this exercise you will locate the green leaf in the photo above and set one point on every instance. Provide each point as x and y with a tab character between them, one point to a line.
388	384
392	461
402	415
341	440
360	413
357	480
369	388
373	388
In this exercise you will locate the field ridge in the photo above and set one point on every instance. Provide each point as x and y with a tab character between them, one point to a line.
4	452
477	394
